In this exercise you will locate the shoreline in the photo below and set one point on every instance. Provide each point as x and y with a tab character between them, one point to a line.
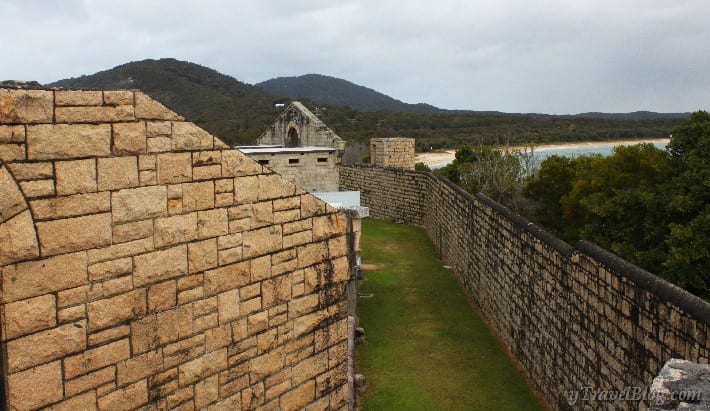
440	159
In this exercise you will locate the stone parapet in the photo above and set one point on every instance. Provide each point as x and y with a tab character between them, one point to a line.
578	320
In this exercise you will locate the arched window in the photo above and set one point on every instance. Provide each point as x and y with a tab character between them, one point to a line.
292	139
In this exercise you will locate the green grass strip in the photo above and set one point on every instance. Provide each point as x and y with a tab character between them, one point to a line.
426	348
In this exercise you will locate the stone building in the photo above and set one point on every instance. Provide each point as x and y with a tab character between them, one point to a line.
147	265
392	152
301	148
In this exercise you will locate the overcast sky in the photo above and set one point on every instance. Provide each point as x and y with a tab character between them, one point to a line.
556	56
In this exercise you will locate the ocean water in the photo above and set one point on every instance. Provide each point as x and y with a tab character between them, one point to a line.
574	150
568	150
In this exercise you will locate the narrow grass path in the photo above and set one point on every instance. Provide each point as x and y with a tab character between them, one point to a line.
426	348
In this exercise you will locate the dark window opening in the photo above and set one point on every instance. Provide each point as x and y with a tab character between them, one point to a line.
293	161
292	139
264	162
322	159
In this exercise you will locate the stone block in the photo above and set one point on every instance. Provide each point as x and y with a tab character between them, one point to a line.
120	250
113	268
312	254
118	97
261	268
159	128
303	305
19	241
74	234
71	206
276	291
287	203
225	185
78	176
175	229
200	368
246	190
159	144
46	276
187	136
93	114
129	138
212	223
117	172
111	311
125	399
45	346
86	401
90	381
78	98
132	231
198	196
36	387
37	188
198	173
96	358
274	186
328	226
139	203
12	152
160	265
11	199
267	364
26	106
32	171
262	241
174	168
27	316
206	392
230	255
12	134
311	205
226	278
218	337
71	314
62	141
162	296
149	109
139	367
202	255
298	398
236	164
228	306
147	162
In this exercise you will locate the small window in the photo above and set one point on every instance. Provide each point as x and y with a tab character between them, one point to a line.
322	159
293	161
264	162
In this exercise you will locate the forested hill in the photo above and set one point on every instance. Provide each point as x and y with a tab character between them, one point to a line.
234	111
333	91
238	113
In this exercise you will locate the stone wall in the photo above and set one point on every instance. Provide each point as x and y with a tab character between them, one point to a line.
146	265
392	152
572	317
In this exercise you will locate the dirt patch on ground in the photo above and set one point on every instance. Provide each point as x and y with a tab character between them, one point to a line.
369	267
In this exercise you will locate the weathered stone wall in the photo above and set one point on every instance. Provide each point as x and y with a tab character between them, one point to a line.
146	265
313	171
572	317
392	152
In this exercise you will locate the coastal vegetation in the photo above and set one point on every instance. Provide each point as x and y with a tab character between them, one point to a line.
647	205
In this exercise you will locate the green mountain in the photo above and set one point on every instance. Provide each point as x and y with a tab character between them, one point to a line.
234	111
238	113
333	91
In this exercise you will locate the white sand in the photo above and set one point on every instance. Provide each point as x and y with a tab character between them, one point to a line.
440	159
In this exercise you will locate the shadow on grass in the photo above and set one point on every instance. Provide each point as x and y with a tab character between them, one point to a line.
426	348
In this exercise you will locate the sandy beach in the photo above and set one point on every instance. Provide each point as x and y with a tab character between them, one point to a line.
441	158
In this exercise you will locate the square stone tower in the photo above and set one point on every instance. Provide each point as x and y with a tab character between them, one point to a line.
392	152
